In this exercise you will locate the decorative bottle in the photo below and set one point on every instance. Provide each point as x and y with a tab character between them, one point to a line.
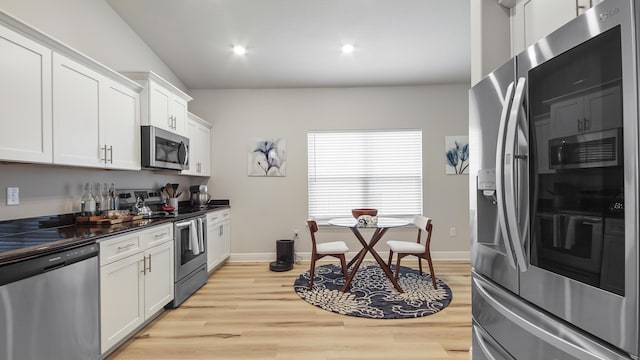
88	201
107	203
100	200
114	197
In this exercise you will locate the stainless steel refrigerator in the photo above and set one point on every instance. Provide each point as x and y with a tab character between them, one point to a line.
554	195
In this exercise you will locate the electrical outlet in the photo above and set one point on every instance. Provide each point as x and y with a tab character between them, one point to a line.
452	231
13	196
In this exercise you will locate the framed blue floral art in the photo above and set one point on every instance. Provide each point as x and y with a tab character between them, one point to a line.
456	155
267	157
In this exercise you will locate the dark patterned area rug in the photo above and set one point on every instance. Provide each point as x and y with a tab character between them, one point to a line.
372	295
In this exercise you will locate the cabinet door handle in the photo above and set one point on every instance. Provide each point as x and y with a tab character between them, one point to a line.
144	265
126	247
580	125
104	148
110	154
158	236
586	124
149	269
221	230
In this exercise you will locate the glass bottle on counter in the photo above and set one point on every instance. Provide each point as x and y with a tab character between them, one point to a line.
107	204
101	202
115	200
88	201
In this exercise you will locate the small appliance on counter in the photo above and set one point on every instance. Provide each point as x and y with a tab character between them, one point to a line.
148	203
199	196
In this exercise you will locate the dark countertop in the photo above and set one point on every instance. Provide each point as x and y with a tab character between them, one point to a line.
24	239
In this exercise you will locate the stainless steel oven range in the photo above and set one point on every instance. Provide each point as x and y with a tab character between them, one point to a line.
190	257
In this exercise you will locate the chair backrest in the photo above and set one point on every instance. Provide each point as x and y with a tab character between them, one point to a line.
313	228
423	223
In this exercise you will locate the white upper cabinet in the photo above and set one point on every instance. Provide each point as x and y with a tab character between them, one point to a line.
531	20
76	114
199	134
64	107
121	130
162	104
25	99
96	120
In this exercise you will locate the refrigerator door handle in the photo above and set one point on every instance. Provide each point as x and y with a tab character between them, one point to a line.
542	326
490	348
509	173
500	200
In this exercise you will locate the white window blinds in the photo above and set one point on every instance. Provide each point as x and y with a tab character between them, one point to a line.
379	169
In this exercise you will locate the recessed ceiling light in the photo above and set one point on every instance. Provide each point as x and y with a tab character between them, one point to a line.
347	48
239	50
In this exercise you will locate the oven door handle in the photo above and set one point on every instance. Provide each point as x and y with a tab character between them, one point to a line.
183	224
508	96
201	233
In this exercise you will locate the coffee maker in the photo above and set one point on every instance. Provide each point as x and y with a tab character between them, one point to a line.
199	196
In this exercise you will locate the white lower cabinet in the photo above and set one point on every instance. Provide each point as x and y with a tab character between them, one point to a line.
121	300
136	281
218	238
158	291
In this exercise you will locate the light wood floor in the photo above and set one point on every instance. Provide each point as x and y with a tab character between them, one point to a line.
246	311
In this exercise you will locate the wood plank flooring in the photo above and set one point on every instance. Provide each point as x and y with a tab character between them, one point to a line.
246	311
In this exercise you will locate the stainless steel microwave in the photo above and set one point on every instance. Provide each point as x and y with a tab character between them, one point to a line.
163	149
596	149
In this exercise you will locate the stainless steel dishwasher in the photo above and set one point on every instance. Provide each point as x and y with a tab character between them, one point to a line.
49	307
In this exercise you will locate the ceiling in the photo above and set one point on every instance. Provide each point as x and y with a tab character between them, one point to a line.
296	43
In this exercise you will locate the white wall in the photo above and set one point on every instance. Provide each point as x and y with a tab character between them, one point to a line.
490	37
50	190
93	28
267	209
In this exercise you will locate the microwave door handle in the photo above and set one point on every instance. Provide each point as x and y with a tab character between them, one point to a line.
500	175
183	149
510	167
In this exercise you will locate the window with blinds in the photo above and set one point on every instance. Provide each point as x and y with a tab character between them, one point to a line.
379	169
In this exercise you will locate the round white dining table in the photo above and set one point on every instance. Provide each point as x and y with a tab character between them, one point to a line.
383	224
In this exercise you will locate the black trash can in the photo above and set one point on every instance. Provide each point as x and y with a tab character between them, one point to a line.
284	256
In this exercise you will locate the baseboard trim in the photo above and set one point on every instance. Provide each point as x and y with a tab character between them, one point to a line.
306	256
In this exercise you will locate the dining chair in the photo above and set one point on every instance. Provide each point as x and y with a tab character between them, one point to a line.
319	250
406	248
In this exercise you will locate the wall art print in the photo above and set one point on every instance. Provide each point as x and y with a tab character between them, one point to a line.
456	155
267	157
